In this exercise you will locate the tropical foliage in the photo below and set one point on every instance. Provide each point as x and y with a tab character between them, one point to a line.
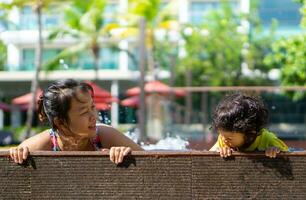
216	49
289	55
85	22
2	56
37	6
160	19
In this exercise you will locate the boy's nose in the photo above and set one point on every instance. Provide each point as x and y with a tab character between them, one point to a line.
227	142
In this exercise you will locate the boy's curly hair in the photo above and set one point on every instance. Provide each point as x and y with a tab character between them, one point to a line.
240	113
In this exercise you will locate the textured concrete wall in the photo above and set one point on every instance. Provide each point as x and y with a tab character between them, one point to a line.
154	175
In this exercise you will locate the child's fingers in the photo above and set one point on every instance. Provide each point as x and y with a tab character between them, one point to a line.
25	153
268	152
221	152
20	151
13	154
228	151
121	155
16	155
124	152
225	152
117	154
112	154
272	152
277	150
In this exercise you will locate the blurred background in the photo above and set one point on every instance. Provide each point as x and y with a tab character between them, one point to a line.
158	67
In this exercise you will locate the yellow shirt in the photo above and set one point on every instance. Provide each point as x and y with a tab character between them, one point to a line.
264	140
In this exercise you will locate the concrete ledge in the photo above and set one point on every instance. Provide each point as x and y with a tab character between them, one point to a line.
154	175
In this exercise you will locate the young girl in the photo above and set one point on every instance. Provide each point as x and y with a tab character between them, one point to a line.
240	120
69	108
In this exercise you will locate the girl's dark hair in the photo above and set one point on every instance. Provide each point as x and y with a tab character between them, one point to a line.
240	113
56	99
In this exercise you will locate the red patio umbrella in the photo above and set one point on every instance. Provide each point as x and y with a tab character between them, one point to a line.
5	107
102	106
24	100
105	100
131	102
98	91
156	87
102	97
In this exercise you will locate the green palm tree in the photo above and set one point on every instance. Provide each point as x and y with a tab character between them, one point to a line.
151	18
157	17
84	21
37	6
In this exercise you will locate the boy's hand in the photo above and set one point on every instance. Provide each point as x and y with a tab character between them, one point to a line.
225	151
272	152
19	154
116	154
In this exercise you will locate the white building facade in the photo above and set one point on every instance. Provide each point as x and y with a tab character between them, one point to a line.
116	71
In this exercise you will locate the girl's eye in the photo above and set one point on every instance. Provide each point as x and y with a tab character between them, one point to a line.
83	113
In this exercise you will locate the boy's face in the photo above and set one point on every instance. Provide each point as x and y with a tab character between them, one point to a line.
232	139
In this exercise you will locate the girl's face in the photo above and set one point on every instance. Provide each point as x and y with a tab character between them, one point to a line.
232	139
82	115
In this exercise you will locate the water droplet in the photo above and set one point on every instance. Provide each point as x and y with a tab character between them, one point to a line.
63	64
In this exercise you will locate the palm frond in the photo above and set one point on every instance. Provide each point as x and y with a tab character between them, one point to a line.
60	33
72	17
54	63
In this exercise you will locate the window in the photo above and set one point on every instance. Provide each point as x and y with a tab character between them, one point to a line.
198	9
108	60
109	12
133	61
286	12
28	57
28	19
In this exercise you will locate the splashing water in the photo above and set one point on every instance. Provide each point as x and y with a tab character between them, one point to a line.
63	64
168	143
133	135
103	118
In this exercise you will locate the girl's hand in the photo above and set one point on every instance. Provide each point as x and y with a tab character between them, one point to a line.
19	154
272	152
225	151
116	154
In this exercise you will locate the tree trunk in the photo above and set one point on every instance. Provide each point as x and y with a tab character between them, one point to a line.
204	108
95	51
172	76
35	80
172	94
152	67
142	64
188	97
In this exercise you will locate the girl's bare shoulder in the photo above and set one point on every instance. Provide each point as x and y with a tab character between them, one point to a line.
40	141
